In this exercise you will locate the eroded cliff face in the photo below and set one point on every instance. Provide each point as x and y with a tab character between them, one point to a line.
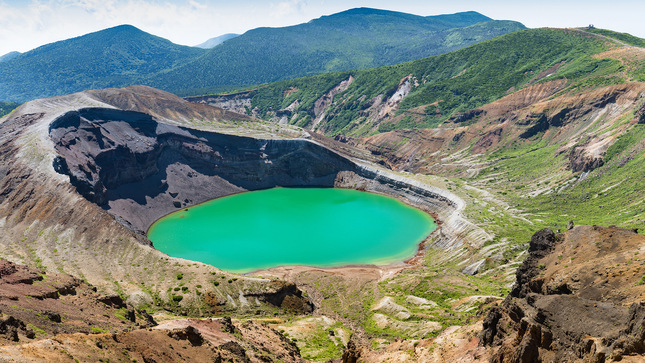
577	298
236	102
581	121
139	169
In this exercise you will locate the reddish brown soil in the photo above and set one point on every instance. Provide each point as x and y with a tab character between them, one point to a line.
36	305
58	318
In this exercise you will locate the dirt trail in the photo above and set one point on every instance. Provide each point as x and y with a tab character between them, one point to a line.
608	38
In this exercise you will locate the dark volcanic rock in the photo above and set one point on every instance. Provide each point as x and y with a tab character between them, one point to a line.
286	295
53	316
112	300
189	333
461	117
139	169
351	353
542	243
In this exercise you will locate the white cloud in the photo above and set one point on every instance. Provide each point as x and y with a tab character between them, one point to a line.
287	8
197	5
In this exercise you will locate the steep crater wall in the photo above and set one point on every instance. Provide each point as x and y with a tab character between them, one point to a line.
140	170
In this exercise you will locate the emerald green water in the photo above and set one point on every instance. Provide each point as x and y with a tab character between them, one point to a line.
288	226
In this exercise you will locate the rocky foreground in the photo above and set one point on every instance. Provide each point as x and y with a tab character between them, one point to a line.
578	297
52	317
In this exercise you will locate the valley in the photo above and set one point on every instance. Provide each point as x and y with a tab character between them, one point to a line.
526	149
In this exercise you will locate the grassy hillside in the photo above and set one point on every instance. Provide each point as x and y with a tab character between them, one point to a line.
354	39
451	83
623	37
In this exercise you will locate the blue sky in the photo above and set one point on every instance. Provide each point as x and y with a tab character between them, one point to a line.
27	24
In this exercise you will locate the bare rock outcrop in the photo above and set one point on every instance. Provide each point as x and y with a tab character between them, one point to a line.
577	298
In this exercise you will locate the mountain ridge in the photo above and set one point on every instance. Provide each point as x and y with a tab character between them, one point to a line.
384	38
110	56
124	55
9	56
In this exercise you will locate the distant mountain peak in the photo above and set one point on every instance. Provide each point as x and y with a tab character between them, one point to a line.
124	27
124	55
9	56
212	42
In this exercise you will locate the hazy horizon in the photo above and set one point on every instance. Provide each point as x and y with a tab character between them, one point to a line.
28	25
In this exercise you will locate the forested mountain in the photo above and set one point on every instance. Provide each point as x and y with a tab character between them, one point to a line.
9	56
108	58
353	39
125	55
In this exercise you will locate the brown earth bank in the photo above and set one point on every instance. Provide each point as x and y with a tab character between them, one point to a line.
210	340
542	110
38	305
579	297
53	317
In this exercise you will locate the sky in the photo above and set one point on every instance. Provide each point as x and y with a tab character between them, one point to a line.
27	24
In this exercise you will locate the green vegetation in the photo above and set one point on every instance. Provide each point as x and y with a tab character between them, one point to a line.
124	55
7	107
445	84
353	39
608	195
121	313
324	347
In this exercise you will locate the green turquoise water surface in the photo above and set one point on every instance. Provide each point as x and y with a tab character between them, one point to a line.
321	227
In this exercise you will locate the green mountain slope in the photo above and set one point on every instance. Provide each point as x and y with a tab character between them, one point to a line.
623	37
354	39
113	57
125	55
441	85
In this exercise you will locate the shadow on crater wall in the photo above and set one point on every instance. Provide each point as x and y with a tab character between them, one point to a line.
140	170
